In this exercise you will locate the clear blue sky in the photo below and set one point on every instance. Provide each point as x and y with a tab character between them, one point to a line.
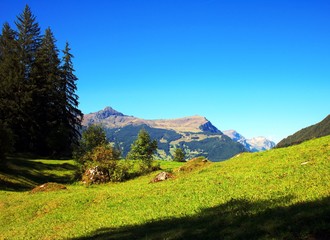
259	67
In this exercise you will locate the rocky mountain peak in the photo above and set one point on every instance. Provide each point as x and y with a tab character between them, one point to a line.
107	112
255	144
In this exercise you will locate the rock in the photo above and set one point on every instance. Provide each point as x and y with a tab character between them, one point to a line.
162	177
96	175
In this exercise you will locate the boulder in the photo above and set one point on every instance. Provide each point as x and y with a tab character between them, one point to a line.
96	175
162	177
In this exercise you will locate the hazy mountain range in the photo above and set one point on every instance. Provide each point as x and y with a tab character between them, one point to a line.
255	144
195	134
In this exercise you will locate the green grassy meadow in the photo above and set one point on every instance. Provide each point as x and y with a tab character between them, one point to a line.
277	194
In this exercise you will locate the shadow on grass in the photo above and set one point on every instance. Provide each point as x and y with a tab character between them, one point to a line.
21	174
236	219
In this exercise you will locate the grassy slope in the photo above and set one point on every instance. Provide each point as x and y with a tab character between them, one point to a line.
282	193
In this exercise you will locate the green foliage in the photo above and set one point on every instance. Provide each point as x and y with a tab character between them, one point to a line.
179	155
92	137
143	148
315	131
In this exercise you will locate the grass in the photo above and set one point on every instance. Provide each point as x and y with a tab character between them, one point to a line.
277	194
19	174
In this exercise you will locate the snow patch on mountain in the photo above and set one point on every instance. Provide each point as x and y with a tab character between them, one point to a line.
255	144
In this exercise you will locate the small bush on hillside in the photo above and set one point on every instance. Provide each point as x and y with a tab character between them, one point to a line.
145	169
122	172
106	159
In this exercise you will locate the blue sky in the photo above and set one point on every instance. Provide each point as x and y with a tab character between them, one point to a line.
259	67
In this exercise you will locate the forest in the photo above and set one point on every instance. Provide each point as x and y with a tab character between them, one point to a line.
39	111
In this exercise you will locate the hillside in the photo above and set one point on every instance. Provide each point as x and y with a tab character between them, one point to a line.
276	194
195	135
315	131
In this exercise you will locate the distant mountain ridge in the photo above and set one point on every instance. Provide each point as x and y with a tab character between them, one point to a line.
113	119
195	134
255	144
314	131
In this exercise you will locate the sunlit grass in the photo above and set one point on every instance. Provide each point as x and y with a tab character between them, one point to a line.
245	196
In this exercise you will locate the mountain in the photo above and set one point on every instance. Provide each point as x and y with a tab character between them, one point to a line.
111	118
314	131
255	144
195	135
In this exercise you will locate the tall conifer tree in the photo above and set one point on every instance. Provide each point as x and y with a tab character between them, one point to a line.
73	115
8	88
29	39
45	79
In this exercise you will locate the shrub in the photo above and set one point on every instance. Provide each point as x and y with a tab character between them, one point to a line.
122	171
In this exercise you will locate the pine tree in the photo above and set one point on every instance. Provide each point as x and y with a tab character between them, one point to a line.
46	96
8	73
28	39
179	155
38	103
8	82
73	115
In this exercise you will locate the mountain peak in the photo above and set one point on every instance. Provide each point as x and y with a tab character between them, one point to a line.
255	144
107	112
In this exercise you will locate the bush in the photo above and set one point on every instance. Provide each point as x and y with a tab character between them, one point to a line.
122	171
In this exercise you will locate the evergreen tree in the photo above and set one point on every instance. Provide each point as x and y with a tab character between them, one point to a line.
28	39
38	103
8	81
179	155
8	73
73	116
143	148
46	97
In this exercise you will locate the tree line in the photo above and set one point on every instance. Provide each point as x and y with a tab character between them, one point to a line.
39	111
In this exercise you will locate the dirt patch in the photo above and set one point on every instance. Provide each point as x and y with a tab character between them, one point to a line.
48	187
194	164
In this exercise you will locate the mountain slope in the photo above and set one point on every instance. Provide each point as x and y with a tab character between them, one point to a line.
255	144
314	131
195	134
277	194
